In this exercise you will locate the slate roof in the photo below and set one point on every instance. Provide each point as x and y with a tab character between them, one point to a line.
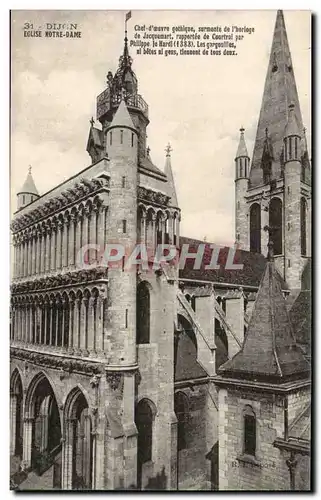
250	275
279	92
145	163
269	350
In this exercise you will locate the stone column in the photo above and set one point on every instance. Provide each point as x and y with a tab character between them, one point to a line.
27	441
13	422
34	252
85	232
31	320
100	324
91	330
53	247
143	228
76	335
39	252
71	326
48	248
101	232
93	235
67	453
84	325
65	246
40	322
264	223
154	236
78	231
59	244
51	313
87	450
25	272
71	242
45	311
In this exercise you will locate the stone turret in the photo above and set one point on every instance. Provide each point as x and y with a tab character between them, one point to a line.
28	193
242	165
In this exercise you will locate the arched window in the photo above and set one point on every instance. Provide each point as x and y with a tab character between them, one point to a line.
143	314
181	408
303	220
249	445
144	423
255	228
275	223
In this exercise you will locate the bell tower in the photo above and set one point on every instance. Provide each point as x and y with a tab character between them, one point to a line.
277	191
124	85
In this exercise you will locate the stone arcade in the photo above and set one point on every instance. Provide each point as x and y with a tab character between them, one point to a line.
143	380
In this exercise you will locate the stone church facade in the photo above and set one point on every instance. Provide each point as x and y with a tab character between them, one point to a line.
142	377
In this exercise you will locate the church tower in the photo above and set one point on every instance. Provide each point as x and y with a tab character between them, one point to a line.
270	199
264	390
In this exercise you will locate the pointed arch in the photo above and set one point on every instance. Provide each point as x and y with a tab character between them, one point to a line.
255	228
16	412
143	313
78	450
276	225
303	224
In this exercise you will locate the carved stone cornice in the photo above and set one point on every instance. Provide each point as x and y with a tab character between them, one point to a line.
57	281
60	363
70	196
151	196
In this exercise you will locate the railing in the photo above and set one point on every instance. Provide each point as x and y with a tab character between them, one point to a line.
105	102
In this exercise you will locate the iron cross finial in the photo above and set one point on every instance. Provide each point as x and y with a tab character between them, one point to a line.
29	169
168	149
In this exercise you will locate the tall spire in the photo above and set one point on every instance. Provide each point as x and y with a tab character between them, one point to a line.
170	178
242	149
279	92
269	350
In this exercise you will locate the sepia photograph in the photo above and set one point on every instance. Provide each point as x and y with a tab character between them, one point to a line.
160	240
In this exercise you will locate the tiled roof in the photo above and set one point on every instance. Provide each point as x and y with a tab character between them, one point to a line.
269	350
145	163
250	275
300	316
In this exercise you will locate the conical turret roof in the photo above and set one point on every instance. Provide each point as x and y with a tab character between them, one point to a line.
242	149
29	186
292	127
279	92
269	349
122	117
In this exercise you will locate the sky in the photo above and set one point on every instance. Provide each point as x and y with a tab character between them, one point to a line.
197	103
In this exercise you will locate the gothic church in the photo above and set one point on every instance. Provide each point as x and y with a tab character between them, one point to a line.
165	379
